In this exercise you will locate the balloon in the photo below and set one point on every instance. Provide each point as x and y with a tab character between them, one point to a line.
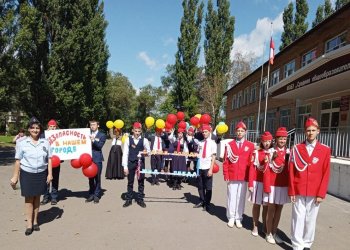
194	121
109	124
205	119
168	125
221	123
225	128
216	168
160	123
75	163
182	124
180	115
221	129
118	124
149	121
90	171
124	138
85	160
55	161
171	118
198	116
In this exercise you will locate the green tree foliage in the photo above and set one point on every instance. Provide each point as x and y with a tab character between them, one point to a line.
120	98
300	24
288	24
219	29
319	15
340	3
184	91
328	10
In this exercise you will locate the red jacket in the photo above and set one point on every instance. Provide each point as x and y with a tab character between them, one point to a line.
237	170
271	178
256	174
309	175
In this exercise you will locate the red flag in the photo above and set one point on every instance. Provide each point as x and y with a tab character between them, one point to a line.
272	51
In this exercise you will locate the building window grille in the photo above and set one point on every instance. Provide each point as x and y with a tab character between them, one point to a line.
275	77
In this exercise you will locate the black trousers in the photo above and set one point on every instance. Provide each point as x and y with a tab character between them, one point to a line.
95	182
141	182
53	195
205	186
156	163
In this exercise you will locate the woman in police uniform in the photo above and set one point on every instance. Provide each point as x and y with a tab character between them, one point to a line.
34	170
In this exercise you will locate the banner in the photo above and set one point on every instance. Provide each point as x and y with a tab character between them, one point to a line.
69	143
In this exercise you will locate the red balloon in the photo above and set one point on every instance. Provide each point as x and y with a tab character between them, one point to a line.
194	121
75	163
168	125
55	161
216	168
182	124
180	115
205	119
90	171
171	118
85	160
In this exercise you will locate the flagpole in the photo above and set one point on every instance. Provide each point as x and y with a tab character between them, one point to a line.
267	84
261	79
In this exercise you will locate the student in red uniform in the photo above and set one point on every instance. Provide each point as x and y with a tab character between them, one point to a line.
258	166
237	158
309	169
276	185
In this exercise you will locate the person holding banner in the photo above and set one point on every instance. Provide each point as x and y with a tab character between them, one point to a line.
206	160
98	139
34	171
53	195
237	159
309	170
134	150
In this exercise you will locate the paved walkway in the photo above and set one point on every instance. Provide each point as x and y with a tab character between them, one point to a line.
168	222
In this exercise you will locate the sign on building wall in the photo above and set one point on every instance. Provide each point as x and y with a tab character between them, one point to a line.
69	143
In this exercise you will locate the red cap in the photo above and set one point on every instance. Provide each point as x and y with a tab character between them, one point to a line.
168	130
241	125
206	127
191	129
180	130
311	122
281	132
52	122
159	130
137	125
266	136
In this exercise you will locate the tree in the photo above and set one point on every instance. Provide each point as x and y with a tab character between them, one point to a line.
319	16
340	3
219	29
184	92
328	10
300	24
288	24
242	65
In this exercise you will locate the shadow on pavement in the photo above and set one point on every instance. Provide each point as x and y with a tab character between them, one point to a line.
49	215
7	155
64	193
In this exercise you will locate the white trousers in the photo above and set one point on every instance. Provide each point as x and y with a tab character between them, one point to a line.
304	215
236	196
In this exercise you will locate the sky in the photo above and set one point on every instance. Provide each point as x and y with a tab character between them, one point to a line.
142	34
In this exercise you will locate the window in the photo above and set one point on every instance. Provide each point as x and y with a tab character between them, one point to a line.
289	68
303	112
285	118
250	122
275	77
270	121
234	100
330	114
263	87
336	42
308	57
246	96
252	93
232	128
239	99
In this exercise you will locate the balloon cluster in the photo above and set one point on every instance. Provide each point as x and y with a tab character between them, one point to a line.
169	123
89	168
117	123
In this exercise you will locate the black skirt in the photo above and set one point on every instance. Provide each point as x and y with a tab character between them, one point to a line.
33	184
114	169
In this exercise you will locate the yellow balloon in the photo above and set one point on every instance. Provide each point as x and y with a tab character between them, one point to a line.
221	129
198	116
124	138
118	124
149	121
109	124
225	128
160	123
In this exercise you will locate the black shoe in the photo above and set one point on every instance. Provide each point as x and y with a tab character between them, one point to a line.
96	199
141	204
207	208
127	203
90	199
36	227
53	202
157	183
200	204
44	202
28	231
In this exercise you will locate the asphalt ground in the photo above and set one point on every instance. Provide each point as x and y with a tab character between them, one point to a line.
168	222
